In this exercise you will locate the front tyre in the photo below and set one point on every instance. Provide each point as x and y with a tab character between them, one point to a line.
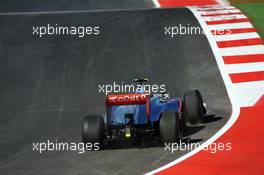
93	130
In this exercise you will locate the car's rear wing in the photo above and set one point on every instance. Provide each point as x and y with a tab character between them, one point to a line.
126	99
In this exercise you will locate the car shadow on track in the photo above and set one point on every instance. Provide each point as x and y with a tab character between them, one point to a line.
190	130
210	118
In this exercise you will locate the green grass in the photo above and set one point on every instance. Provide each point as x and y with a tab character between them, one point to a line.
245	1
256	13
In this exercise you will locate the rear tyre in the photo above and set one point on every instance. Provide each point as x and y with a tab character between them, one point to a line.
93	131
170	127
193	106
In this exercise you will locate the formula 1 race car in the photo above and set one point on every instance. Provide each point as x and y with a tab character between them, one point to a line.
131	115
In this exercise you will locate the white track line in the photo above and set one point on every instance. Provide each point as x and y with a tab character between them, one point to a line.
248	93
236	36
245	67
243	50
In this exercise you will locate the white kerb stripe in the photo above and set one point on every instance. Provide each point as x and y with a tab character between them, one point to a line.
236	36
213	6
245	67
156	3
222	2
217	8
220	12
243	50
224	17
240	25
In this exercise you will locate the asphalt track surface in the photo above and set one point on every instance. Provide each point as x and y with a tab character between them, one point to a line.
67	5
49	84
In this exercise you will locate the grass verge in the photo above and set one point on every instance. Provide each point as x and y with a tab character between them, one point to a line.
256	13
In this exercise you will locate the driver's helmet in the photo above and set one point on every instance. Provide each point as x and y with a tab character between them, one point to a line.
166	96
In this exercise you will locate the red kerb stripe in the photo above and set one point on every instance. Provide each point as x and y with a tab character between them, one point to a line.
242	42
236	59
247	76
232	31
227	21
